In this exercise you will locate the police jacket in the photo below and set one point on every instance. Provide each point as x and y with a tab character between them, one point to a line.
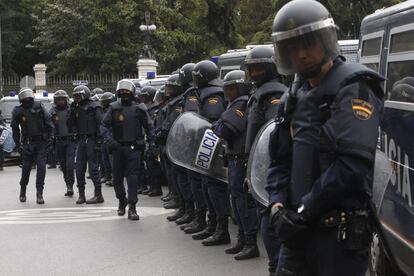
125	123
34	122
211	102
263	105
232	126
86	118
190	100
323	146
173	110
61	121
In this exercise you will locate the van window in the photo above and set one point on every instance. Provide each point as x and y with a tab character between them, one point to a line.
401	72
371	47
402	42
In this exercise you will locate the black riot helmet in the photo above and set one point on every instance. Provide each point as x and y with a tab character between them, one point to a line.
147	93
260	65
302	23
81	93
60	95
26	97
125	90
98	91
235	85
172	86
185	77
106	99
206	73
160	97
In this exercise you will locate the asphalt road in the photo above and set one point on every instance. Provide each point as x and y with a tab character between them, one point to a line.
62	238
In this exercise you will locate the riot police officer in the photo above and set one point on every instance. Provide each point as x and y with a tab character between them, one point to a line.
211	105
232	127
322	148
106	99
122	127
86	116
96	93
64	138
151	154
190	103
263	104
36	133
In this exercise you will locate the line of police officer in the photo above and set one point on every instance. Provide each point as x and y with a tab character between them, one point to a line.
322	148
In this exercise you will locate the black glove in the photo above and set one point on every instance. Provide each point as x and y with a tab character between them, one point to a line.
290	226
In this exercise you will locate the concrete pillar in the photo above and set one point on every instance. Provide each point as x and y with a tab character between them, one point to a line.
40	77
146	65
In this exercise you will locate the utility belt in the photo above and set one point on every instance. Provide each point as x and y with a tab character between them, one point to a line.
32	139
135	145
86	136
65	138
354	227
236	157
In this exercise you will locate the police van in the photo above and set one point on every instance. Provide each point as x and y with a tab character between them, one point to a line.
387	46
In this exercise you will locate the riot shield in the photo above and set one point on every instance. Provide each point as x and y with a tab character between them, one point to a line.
192	144
382	176
259	161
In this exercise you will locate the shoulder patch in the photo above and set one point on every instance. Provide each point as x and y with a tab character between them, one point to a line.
239	113
213	101
274	100
362	109
121	117
192	99
24	118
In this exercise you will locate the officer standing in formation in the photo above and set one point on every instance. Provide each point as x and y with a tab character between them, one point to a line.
36	133
106	99
263	104
322	148
122	128
64	138
86	117
232	127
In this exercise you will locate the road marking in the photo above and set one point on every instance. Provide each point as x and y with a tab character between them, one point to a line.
71	215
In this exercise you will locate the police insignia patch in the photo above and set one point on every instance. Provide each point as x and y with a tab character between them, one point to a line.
212	101
121	117
239	113
274	101
57	118
24	119
193	99
362	109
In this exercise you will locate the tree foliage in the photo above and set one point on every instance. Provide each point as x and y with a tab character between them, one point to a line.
103	36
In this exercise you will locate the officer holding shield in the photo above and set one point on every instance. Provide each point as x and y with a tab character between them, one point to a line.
322	148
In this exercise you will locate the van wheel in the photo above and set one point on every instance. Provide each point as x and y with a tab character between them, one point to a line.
379	264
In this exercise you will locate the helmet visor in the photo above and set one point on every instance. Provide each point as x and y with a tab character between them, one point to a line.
287	50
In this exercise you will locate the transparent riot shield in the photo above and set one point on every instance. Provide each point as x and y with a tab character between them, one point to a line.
382	176
259	161
192	144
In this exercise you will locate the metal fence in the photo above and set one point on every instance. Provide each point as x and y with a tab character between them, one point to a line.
67	83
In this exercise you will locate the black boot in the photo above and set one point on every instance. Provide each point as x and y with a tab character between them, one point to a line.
146	191
250	249
172	204
199	222
221	235
238	246
98	198
121	206
187	217
208	230
22	197
180	212
69	191
132	212
155	192
81	199
39	197
167	197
